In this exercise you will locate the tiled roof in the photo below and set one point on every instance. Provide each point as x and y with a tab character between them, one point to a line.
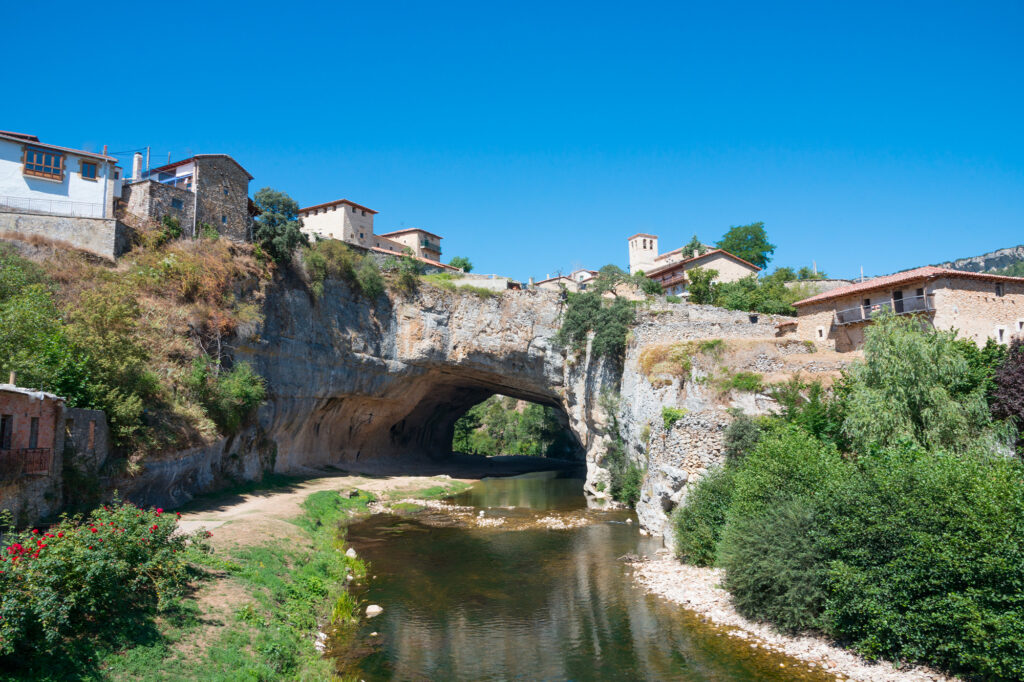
927	272
691	260
642	234
335	203
23	138
410	229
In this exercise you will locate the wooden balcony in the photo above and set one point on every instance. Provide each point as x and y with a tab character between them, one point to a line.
901	306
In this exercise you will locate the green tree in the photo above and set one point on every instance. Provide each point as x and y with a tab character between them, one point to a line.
914	383
701	285
809	273
693	245
462	263
278	227
749	242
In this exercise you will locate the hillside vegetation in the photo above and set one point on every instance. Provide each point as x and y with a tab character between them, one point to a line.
887	513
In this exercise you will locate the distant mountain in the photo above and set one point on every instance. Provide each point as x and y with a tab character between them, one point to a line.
1009	261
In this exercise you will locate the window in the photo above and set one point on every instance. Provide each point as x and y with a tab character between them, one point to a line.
364	212
353	209
177	203
88	170
867	302
44	164
223	220
821	332
920	292
6	430
225	190
999	289
117	173
1000	334
33	433
360	235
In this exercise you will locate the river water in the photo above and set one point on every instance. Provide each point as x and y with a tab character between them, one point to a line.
523	601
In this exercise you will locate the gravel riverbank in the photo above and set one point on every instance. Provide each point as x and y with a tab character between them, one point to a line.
697	589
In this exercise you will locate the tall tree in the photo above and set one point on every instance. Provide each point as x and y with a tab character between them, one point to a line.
693	245
462	263
702	285
749	242
278	225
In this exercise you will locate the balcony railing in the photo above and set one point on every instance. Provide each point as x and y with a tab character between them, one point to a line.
430	245
25	462
76	209
900	306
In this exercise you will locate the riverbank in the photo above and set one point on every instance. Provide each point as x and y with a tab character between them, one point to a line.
277	574
699	590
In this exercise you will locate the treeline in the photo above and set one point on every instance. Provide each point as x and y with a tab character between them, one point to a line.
504	426
887	513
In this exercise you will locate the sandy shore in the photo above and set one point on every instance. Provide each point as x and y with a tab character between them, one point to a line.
697	589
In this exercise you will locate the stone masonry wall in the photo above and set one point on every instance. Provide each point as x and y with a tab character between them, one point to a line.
222	188
152	199
104	237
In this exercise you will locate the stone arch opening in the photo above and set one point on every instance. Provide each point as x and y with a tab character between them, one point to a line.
504	425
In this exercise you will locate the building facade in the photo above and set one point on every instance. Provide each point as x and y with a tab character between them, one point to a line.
31	432
670	269
423	244
204	190
60	194
978	306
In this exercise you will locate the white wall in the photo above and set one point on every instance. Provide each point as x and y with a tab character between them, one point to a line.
70	196
642	252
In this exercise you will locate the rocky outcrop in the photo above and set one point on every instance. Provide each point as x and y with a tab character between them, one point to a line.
987	262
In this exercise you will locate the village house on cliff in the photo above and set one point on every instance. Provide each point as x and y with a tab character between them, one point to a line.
979	306
669	269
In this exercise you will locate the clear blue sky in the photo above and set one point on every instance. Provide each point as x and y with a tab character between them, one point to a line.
538	136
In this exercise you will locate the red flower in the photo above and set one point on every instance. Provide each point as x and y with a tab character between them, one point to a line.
60	534
90	546
93	530
35	531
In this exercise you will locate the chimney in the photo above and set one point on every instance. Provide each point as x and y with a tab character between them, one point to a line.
14	378
104	150
696	252
529	282
137	166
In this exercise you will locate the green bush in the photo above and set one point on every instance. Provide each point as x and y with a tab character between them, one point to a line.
926	560
697	525
741	436
670	415
774	565
749	382
406	271
673	299
71	581
609	320
333	259
228	396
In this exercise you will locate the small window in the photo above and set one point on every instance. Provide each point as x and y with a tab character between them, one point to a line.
33	433
44	164
364	212
821	332
1000	334
225	190
117	173
6	430
867	302
224	220
360	235
353	209
920	292
88	170
177	203
999	290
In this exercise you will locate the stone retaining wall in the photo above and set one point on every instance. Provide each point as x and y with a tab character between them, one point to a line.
105	237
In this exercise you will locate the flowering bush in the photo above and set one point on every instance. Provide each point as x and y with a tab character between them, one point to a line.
63	582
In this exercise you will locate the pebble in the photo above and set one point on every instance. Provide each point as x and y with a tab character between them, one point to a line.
373	610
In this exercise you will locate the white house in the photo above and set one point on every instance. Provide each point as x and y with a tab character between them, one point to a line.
36	177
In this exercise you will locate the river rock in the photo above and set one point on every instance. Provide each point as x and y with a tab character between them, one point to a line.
373	610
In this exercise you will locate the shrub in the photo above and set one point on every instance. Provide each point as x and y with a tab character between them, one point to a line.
741	436
673	299
278	226
1008	387
406	270
609	320
698	524
228	397
333	259
73	580
926	565
702	286
774	566
743	381
462	263
208	231
670	415
369	279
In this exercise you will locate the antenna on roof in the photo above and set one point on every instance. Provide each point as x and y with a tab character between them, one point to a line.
147	158
814	267
862	273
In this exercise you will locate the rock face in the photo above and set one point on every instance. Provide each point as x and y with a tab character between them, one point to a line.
994	260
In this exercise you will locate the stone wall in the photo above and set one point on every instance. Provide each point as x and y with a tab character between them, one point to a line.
222	188
154	200
87	439
972	308
104	237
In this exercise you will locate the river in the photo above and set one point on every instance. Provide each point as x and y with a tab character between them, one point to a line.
523	601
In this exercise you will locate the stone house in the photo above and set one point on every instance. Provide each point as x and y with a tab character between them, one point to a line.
979	306
206	189
671	273
353	223
59	193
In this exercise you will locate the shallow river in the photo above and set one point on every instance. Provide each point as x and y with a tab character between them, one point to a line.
521	601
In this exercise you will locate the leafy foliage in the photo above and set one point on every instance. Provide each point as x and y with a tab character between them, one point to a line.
462	263
501	426
278	227
749	382
701	285
749	242
61	585
333	259
609	320
1008	387
914	385
670	415
406	271
611	276
229	397
694	245
698	524
626	476
741	436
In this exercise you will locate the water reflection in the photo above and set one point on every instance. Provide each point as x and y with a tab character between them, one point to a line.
492	604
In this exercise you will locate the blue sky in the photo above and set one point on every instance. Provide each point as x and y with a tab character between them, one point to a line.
537	136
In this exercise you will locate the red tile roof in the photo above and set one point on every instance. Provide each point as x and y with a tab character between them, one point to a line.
33	140
410	229
928	272
689	261
335	203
